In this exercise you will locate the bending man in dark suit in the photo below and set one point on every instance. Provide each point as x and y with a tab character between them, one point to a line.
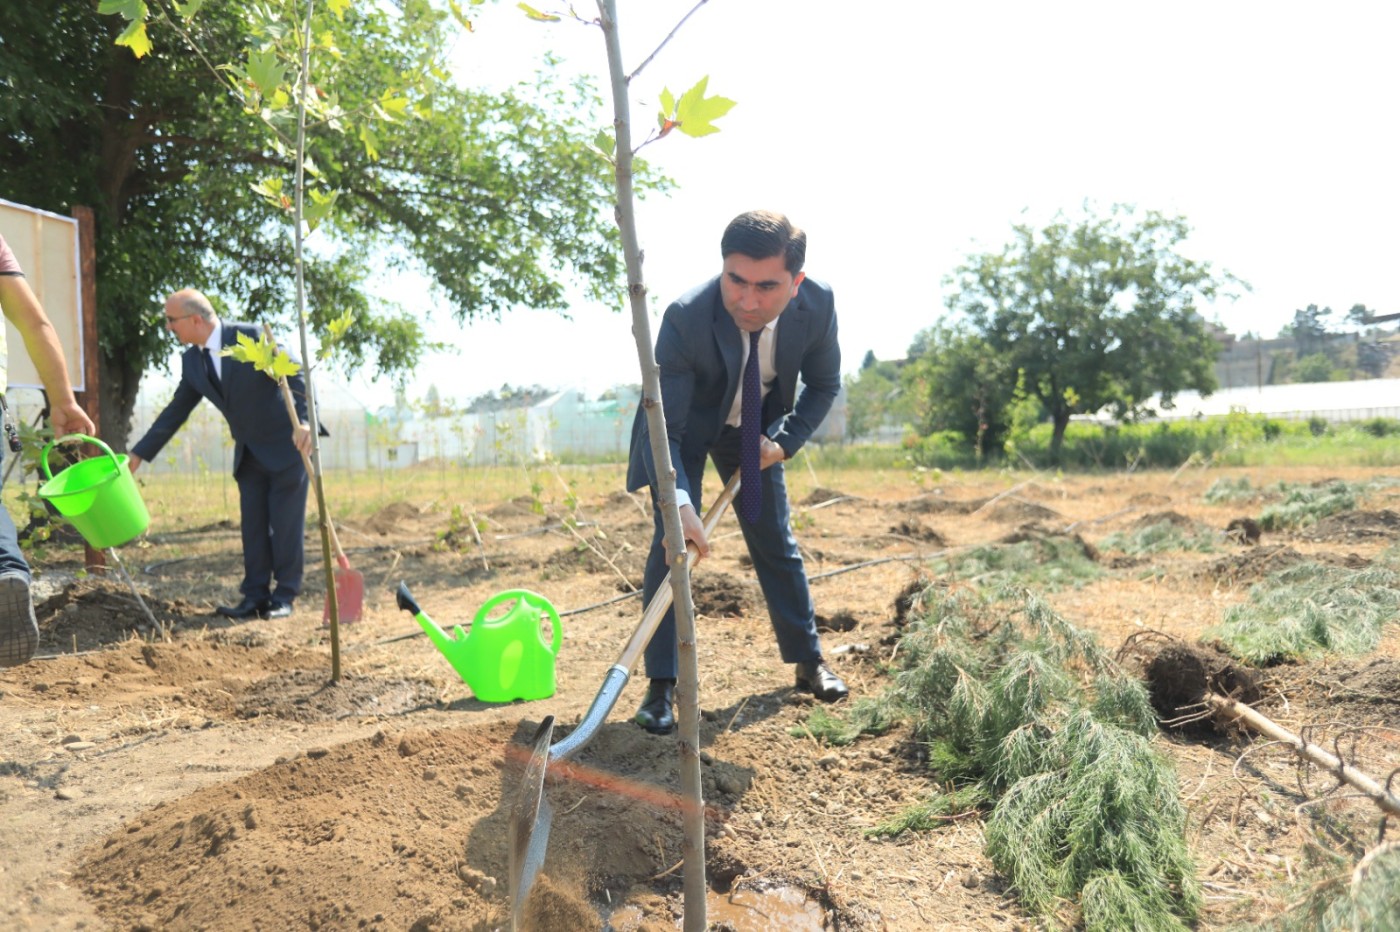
272	480
761	296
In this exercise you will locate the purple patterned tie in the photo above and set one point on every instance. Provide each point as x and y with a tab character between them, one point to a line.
751	413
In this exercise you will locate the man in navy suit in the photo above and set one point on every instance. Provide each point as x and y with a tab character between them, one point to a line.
761	299
267	452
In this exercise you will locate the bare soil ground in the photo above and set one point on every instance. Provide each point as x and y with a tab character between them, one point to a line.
219	781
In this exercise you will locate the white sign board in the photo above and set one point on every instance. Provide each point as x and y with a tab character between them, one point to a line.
46	246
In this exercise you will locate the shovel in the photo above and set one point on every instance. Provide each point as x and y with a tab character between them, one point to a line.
349	587
532	815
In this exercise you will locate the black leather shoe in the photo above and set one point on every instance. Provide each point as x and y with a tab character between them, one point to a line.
276	608
248	608
655	713
816	676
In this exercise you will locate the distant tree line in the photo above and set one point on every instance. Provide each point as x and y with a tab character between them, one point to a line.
1088	313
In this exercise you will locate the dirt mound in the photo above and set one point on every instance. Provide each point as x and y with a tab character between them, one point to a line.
936	505
819	495
1174	518
1243	531
309	696
1354	526
392	518
1251	565
1017	509
914	530
93	612
719	594
365	834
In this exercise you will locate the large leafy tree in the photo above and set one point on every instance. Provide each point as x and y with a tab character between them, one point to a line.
1092	313
495	197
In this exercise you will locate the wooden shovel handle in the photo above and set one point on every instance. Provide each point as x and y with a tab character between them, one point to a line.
661	600
291	404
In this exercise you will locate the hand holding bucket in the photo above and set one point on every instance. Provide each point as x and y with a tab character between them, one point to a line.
98	496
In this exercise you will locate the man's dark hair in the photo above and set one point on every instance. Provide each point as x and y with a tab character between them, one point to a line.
763	234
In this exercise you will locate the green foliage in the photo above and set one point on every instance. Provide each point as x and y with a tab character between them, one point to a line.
1230	491
1380	426
874	398
1311	607
864	716
1365	898
1161	537
934	812
955	380
1095	313
493	196
1102	819
1304	505
1023	712
1048	562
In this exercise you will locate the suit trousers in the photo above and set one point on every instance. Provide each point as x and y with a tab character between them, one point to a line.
776	560
272	507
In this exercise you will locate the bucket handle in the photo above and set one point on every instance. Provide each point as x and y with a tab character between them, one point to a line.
44	456
532	599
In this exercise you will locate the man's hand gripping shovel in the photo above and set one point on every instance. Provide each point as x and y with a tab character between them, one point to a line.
532	815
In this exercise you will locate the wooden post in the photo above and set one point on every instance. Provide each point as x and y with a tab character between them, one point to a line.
93	559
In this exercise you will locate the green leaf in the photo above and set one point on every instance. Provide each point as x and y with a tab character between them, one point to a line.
188	10
337	329
318	208
668	108
395	108
696	113
606	142
264	356
134	37
370	141
458	15
265	71
129	9
536	15
282	366
338	7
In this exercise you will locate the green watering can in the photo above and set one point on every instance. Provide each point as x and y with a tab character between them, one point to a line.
505	657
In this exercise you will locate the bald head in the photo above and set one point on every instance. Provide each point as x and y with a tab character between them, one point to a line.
190	316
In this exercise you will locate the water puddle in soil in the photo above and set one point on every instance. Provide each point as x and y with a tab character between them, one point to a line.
777	909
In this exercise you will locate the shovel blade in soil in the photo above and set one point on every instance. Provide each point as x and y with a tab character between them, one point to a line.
529	823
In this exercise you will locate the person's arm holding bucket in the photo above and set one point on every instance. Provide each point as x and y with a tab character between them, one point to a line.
22	308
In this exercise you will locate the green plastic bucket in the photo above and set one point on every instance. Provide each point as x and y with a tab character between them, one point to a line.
98	496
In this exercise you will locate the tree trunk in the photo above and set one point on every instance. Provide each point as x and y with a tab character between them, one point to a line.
1060	419
687	692
120	381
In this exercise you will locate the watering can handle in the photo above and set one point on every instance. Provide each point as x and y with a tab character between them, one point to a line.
532	599
44	456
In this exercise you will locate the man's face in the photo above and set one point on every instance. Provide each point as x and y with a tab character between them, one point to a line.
186	326
755	291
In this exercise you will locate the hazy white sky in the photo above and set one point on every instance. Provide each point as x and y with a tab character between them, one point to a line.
905	136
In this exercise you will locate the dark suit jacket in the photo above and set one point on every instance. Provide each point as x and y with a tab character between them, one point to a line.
250	402
699	348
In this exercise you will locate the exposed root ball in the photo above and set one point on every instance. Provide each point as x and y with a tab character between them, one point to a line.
1180	675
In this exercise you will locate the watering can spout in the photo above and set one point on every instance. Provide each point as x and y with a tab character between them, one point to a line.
405	599
452	647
